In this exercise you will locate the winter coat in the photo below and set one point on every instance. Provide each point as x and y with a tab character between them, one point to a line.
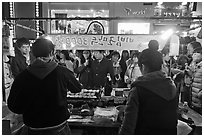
39	93
84	73
18	63
99	71
123	68
197	86
151	107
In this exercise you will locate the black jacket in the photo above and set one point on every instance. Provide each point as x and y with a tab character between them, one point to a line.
84	73
152	106
18	63
99	71
124	68
39	93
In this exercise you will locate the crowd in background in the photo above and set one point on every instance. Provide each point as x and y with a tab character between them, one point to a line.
92	67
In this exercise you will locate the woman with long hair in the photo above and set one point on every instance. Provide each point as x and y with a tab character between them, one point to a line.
133	70
124	58
66	60
83	71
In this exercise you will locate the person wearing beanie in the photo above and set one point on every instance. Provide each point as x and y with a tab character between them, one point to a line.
153	45
151	107
39	92
23	56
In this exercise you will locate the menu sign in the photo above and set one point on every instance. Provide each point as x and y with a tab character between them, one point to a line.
105	42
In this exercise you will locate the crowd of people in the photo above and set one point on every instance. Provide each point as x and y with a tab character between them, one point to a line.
149	74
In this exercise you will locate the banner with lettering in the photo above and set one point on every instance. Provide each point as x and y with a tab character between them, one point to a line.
104	42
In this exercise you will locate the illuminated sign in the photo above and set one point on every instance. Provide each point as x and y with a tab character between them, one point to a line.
171	12
105	42
129	12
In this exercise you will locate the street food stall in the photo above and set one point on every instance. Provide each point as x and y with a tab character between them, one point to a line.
92	112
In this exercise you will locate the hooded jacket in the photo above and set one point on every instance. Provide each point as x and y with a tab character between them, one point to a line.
39	93
151	107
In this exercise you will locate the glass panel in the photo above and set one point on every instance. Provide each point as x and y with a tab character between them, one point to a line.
78	26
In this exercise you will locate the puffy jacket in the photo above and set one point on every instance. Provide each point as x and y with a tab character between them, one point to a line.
197	86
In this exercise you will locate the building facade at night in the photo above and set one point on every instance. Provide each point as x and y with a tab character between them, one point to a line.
140	16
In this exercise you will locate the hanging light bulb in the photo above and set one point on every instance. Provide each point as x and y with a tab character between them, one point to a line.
37	23
11	11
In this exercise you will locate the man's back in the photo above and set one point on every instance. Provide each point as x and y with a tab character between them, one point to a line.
151	106
156	115
43	101
39	92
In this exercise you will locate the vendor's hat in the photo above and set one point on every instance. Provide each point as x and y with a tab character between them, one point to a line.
42	47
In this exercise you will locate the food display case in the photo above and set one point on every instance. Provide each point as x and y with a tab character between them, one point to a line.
95	97
90	109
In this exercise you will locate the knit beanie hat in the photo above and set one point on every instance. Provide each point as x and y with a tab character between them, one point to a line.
42	47
153	44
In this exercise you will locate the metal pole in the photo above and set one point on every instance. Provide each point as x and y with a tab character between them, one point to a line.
107	18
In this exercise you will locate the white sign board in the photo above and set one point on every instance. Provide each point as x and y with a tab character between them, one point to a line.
105	42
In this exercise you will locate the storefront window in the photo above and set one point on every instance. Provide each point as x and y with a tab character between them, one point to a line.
76	26
133	28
